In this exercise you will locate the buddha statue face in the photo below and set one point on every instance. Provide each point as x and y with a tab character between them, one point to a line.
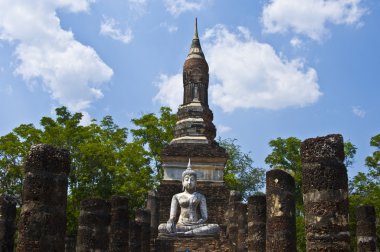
189	182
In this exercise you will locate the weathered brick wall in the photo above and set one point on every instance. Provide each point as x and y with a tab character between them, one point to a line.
199	244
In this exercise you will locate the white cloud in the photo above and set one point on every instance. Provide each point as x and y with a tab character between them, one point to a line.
71	72
358	111
169	89
251	75
176	7
296	42
171	28
223	128
109	28
310	17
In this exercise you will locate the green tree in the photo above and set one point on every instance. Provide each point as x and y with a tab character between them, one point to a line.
239	173
155	133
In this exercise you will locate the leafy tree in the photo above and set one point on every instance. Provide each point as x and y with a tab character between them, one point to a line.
240	174
155	133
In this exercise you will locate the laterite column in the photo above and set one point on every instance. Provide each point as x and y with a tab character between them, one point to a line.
143	220
366	229
325	194
42	224
7	222
94	220
256	223
281	222
153	204
232	219
119	227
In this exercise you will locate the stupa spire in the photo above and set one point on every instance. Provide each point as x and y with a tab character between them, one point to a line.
195	49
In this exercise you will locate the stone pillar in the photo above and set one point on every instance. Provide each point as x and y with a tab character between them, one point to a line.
70	242
94	220
143	220
325	194
366	229
242	227
119	227
256	223
153	204
7	222
233	212
134	237
42	224
281	221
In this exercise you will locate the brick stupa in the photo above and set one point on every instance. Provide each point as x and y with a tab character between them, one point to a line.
194	138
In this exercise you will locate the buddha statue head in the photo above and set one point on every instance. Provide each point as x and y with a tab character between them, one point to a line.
189	179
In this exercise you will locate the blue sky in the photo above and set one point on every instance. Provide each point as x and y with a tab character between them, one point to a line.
278	68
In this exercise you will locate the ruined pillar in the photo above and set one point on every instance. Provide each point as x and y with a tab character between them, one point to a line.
119	227
281	221
143	220
366	229
233	212
325	194
134	237
242	227
42	224
256	223
153	206
70	242
94	220
7	222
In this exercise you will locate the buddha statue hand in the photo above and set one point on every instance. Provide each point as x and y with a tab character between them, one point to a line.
170	226
200	221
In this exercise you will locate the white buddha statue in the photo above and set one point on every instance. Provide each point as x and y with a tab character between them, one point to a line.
193	210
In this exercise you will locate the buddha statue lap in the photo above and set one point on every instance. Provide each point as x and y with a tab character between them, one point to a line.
191	203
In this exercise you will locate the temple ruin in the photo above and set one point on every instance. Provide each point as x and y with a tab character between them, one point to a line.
192	209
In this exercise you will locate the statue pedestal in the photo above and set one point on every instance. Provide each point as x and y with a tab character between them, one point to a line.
191	244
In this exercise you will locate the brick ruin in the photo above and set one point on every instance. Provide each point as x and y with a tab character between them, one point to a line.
265	223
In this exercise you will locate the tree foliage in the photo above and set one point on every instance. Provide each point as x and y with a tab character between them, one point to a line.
239	173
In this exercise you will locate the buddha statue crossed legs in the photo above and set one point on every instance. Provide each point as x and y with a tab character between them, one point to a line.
191	204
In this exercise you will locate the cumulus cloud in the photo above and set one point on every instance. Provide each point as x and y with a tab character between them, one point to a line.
310	17
251	74
109	27
358	111
71	72
176	7
170	90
